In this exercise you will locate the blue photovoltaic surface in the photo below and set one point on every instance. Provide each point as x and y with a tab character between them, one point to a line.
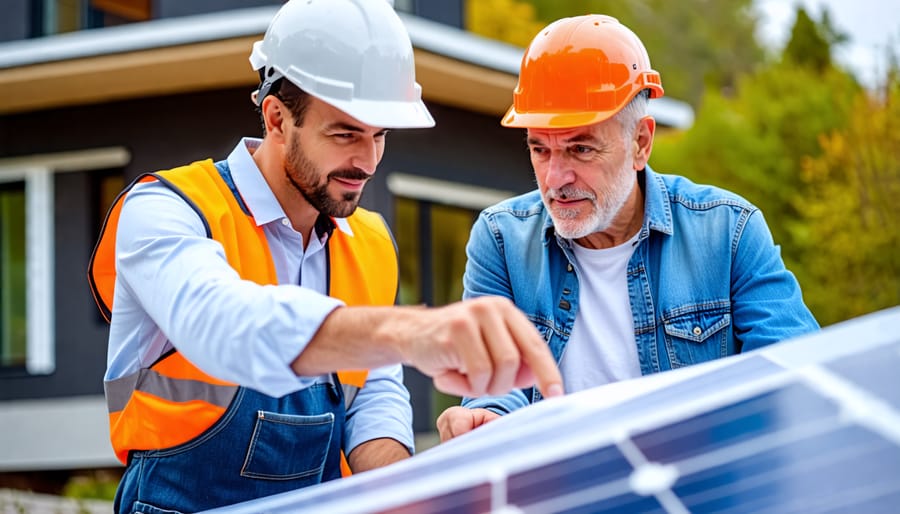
627	503
472	499
774	411
818	436
567	476
798	474
876	370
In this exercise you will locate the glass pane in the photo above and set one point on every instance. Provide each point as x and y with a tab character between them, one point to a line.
12	275
68	15
406	232
450	228
107	186
124	10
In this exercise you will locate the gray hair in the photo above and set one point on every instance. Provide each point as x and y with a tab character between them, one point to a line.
636	109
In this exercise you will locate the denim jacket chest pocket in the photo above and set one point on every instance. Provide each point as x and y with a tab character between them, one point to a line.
697	336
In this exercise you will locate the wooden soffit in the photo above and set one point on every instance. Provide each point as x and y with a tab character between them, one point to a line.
216	65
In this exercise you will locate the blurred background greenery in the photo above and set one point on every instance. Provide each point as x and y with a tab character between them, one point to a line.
789	129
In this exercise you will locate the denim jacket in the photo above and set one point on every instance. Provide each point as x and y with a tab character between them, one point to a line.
705	281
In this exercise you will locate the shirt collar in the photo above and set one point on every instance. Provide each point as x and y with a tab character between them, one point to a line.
258	196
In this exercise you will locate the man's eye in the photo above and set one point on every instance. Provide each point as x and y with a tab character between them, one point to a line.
581	149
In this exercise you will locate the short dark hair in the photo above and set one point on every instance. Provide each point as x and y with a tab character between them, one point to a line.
294	98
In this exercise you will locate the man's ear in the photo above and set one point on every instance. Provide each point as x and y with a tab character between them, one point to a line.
642	144
273	113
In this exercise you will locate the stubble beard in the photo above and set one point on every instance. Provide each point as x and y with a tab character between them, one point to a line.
571	223
304	176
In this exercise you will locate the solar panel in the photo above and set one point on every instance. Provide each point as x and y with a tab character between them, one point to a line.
808	425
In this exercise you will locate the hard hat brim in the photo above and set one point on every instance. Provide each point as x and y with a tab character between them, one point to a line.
385	114
554	119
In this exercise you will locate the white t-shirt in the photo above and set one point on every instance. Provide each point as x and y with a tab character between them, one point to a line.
602	347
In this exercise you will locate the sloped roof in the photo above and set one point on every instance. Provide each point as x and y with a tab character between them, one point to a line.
194	53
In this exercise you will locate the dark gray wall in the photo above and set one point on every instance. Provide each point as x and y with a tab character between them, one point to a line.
15	23
173	8
168	131
448	12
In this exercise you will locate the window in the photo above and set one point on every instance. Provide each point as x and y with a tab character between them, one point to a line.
27	296
59	16
432	221
12	275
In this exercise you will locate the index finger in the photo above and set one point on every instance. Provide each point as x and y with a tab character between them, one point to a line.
536	355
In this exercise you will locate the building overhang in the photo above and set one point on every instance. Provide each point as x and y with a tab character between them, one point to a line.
204	52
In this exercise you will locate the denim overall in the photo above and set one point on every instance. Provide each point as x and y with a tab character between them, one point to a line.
261	446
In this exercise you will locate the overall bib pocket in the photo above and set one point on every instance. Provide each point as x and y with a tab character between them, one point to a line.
288	446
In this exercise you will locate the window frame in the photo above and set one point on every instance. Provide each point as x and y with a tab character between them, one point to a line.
38	172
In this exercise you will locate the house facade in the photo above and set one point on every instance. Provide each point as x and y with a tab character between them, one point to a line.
92	98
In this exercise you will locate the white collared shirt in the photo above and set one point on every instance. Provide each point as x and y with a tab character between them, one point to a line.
174	284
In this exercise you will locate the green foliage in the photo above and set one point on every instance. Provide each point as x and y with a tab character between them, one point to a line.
754	143
852	214
511	21
808	45
98	485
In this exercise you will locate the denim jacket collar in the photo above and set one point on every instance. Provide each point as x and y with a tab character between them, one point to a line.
657	209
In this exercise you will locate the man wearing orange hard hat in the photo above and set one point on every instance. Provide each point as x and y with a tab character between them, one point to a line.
623	270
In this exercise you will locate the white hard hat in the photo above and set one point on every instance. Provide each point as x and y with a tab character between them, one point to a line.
353	54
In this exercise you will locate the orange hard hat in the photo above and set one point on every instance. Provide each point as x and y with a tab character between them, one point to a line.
580	71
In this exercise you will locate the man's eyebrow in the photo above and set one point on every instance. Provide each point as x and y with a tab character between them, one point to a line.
580	138
340	125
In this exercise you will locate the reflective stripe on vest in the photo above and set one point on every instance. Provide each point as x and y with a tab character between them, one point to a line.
173	401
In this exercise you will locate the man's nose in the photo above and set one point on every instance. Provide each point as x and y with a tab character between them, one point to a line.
368	155
559	171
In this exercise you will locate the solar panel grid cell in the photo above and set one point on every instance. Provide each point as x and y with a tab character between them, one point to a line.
875	370
600	466
766	413
472	499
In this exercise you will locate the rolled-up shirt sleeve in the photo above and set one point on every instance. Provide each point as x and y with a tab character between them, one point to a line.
380	409
174	284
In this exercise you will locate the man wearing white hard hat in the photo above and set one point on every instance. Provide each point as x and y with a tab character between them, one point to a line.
248	297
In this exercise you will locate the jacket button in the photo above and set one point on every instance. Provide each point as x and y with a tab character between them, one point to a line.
567	291
564	305
569	267
697	331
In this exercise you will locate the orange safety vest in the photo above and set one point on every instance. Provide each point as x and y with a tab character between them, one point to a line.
173	401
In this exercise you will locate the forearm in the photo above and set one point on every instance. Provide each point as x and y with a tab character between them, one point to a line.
376	453
499	404
356	338
483	346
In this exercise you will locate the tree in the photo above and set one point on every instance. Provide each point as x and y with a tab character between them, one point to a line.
811	43
851	211
511	21
755	142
